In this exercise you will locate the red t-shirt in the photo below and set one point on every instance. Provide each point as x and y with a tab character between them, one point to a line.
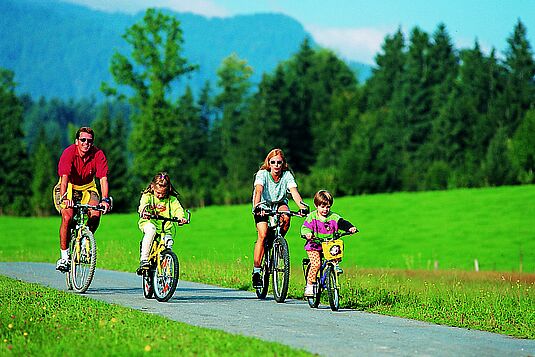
81	171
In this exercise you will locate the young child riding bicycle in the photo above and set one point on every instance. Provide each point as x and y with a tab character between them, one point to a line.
159	198
319	224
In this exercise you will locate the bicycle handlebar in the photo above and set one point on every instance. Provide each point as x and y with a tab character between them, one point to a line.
336	235
171	219
272	212
86	206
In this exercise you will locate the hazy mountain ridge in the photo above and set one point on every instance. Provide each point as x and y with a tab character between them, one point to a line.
63	50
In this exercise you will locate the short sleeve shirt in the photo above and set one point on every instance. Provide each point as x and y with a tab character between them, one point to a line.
82	171
167	207
274	191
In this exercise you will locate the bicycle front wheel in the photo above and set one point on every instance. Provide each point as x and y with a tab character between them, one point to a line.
165	277
332	288
83	260
281	269
68	280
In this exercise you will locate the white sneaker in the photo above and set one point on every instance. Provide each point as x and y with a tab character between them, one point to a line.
309	290
62	265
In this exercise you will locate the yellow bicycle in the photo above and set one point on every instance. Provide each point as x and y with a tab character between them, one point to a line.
161	278
82	250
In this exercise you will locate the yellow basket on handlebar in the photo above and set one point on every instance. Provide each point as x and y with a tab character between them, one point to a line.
333	249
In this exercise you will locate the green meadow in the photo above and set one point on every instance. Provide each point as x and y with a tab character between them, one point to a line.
410	231
414	256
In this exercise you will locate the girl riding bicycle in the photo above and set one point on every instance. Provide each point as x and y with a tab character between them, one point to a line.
159	198
318	224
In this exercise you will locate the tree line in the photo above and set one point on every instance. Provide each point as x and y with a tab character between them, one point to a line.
430	117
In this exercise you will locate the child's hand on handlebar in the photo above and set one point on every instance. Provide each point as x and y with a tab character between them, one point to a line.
308	236
145	215
182	221
353	230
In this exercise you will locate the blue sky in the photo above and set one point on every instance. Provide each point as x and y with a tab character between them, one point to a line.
355	29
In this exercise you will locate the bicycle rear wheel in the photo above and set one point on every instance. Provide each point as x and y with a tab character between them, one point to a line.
332	288
262	291
281	269
165	277
313	301
83	260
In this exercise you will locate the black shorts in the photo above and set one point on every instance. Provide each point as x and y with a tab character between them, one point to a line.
258	218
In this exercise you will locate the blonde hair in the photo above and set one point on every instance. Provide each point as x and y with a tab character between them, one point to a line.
162	179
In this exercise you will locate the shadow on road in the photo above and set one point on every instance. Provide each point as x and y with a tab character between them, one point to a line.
107	291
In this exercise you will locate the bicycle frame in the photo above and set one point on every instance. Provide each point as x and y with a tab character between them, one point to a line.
161	279
327	278
276	257
154	255
80	219
82	266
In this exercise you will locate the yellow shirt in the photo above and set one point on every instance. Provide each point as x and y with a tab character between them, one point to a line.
167	207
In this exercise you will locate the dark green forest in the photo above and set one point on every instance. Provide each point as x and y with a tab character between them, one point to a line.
430	117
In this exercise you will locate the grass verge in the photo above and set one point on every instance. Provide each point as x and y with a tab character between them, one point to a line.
39	321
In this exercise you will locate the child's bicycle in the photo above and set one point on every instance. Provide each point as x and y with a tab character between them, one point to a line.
333	251
82	249
276	259
161	278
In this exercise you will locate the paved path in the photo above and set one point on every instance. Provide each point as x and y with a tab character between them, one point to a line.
292	323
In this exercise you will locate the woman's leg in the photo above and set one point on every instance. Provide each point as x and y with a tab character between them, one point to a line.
285	220
262	229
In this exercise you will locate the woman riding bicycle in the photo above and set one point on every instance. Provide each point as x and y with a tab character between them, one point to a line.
271	184
321	223
159	198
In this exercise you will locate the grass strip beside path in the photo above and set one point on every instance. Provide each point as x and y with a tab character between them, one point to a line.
39	321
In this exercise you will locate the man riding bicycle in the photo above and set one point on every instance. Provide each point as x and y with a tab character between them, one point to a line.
79	165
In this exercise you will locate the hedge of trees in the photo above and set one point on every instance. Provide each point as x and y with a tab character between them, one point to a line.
430	117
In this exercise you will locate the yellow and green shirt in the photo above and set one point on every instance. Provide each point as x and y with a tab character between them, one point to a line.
167	207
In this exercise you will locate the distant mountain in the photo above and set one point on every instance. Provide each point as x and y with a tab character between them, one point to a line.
62	50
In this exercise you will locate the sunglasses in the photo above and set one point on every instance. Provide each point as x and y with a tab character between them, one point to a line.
90	141
275	162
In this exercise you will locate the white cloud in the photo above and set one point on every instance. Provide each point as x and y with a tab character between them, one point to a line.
357	44
201	7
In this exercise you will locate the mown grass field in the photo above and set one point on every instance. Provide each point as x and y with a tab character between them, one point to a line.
390	266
